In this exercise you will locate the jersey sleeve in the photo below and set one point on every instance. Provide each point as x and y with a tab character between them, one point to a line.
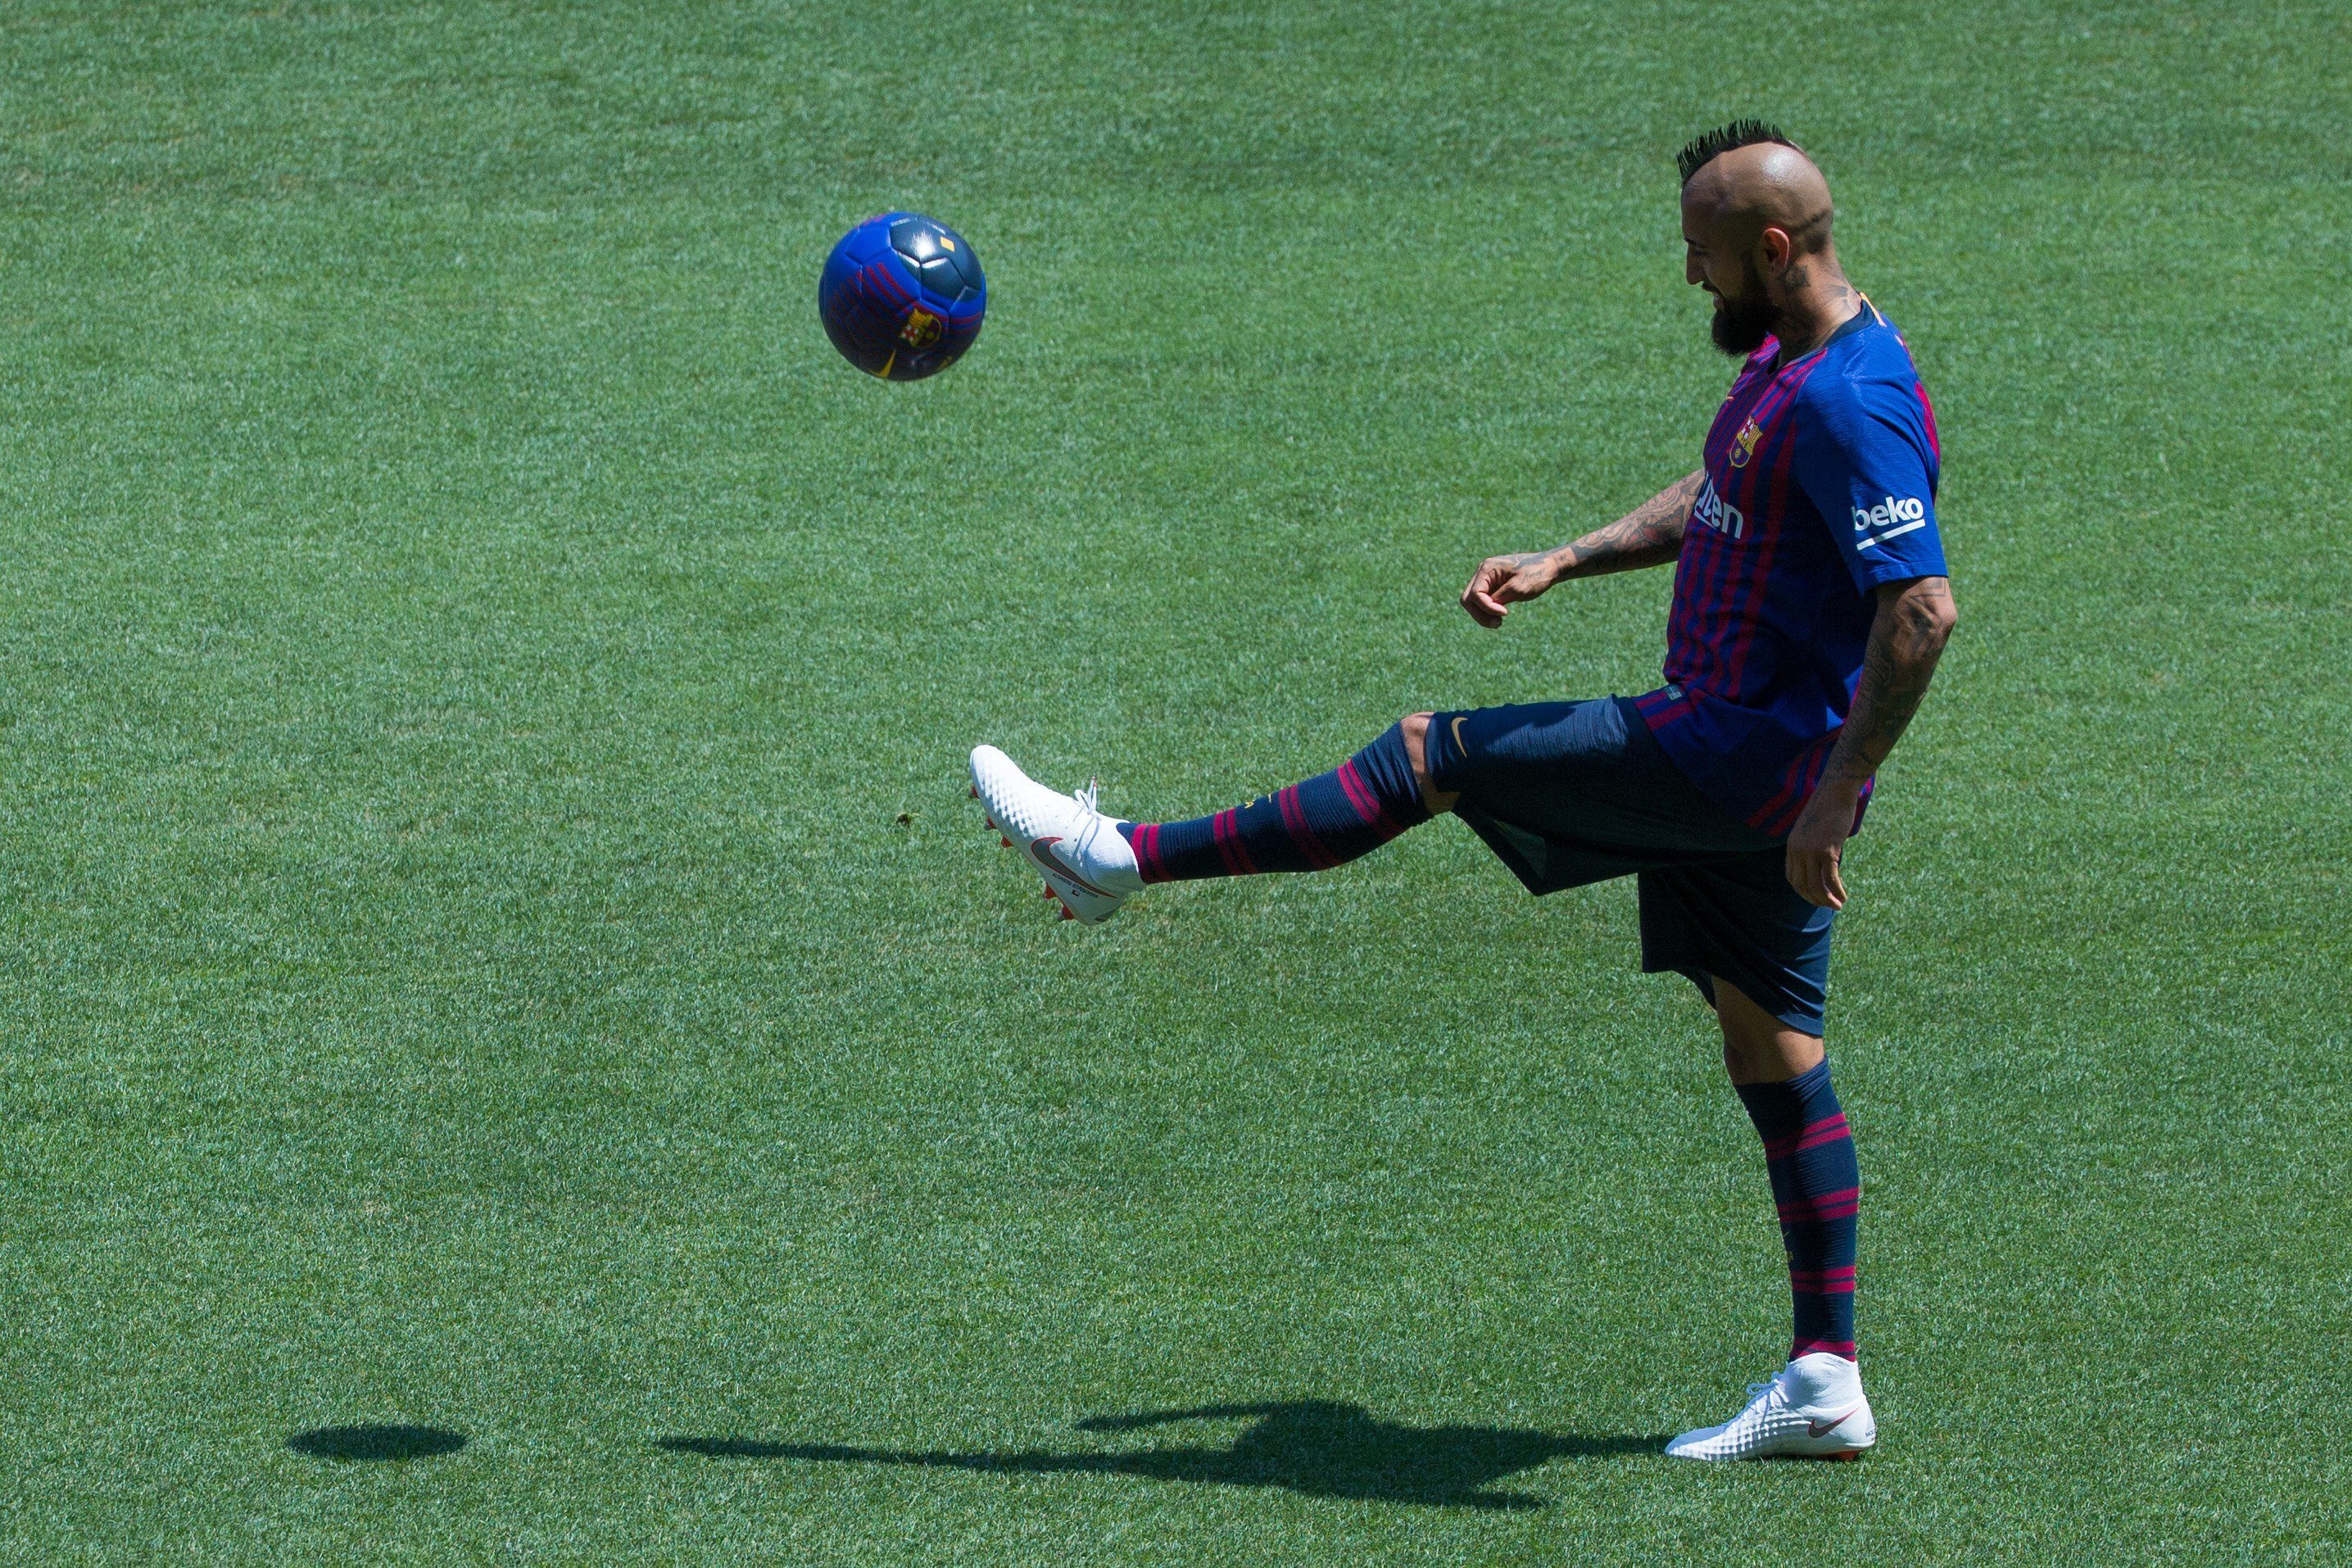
1866	458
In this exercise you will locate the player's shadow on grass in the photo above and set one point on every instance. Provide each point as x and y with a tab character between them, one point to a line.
1313	1447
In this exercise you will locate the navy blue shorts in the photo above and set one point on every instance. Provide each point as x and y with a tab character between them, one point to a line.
1571	792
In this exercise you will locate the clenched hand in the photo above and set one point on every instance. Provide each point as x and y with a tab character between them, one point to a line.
1503	581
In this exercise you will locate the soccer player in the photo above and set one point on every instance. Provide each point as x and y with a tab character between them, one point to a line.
1810	603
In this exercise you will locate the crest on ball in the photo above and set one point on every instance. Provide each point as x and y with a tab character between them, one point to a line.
902	296
922	329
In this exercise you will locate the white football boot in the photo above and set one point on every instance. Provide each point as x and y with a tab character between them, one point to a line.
1814	1409
1082	855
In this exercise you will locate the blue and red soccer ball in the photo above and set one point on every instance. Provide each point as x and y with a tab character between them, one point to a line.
902	296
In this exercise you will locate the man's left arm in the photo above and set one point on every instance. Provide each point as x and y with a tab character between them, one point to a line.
1908	634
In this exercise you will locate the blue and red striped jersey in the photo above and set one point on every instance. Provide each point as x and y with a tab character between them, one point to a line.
1821	486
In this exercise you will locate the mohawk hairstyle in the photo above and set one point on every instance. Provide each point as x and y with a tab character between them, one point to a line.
1704	150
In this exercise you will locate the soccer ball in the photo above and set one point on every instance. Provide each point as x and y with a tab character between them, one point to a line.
901	296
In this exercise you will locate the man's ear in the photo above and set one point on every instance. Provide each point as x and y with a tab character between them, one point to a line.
1778	247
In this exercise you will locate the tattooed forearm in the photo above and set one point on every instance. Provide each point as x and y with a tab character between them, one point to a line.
1649	535
1906	639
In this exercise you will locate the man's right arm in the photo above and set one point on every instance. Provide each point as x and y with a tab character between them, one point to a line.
1649	535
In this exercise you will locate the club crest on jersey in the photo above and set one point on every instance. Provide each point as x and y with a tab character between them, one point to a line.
922	329
1718	513
1743	445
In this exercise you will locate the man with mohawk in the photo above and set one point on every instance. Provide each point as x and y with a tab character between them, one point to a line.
1810	604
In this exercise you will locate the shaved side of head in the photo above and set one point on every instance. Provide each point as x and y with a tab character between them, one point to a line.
1764	185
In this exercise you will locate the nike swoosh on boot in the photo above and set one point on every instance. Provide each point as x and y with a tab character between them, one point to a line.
1823	1428
1041	848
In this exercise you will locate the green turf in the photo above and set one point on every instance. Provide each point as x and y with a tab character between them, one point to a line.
494	941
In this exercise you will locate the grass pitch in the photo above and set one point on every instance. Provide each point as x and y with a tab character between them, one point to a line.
519	1048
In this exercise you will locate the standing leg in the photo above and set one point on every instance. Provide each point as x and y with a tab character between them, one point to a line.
1815	1405
1783	1076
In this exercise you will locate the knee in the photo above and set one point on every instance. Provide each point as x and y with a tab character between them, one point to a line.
1416	743
1745	1059
1768	1058
1416	729
1758	1048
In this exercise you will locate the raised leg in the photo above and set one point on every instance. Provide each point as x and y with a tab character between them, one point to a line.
1312	826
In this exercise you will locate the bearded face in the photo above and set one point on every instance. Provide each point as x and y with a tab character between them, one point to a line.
1741	323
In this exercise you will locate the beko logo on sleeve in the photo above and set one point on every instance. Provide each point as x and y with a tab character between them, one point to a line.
1889	519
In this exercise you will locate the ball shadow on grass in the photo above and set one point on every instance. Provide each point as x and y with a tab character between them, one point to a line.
364	1443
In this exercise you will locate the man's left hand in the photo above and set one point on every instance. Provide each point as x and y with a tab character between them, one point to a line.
1819	842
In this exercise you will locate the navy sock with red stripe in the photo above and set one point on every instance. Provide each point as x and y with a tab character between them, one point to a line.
1326	821
1818	1185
